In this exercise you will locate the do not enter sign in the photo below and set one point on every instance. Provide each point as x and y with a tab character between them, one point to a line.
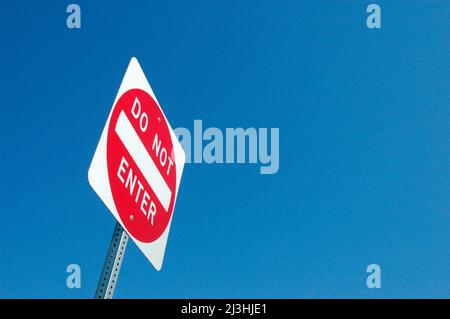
141	166
137	167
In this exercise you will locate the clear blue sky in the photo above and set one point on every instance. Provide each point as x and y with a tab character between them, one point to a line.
364	146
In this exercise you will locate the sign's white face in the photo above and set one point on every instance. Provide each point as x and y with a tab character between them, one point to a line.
137	166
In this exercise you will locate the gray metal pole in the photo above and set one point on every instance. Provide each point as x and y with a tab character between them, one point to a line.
113	262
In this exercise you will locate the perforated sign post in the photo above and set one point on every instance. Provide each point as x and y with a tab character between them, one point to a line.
136	171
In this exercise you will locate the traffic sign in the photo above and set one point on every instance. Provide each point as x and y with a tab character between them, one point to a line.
137	166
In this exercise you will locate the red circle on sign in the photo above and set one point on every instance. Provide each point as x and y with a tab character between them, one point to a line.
141	165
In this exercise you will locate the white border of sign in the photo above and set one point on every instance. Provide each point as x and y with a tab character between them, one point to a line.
98	173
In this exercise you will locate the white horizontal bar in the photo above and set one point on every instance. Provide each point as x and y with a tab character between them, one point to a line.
138	152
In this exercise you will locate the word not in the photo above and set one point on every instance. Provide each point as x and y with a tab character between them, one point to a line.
161	152
237	141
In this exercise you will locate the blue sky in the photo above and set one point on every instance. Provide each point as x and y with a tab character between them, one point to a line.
363	118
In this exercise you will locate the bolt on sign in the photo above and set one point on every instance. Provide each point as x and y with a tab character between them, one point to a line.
137	166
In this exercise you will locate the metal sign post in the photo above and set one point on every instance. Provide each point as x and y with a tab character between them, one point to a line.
113	262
